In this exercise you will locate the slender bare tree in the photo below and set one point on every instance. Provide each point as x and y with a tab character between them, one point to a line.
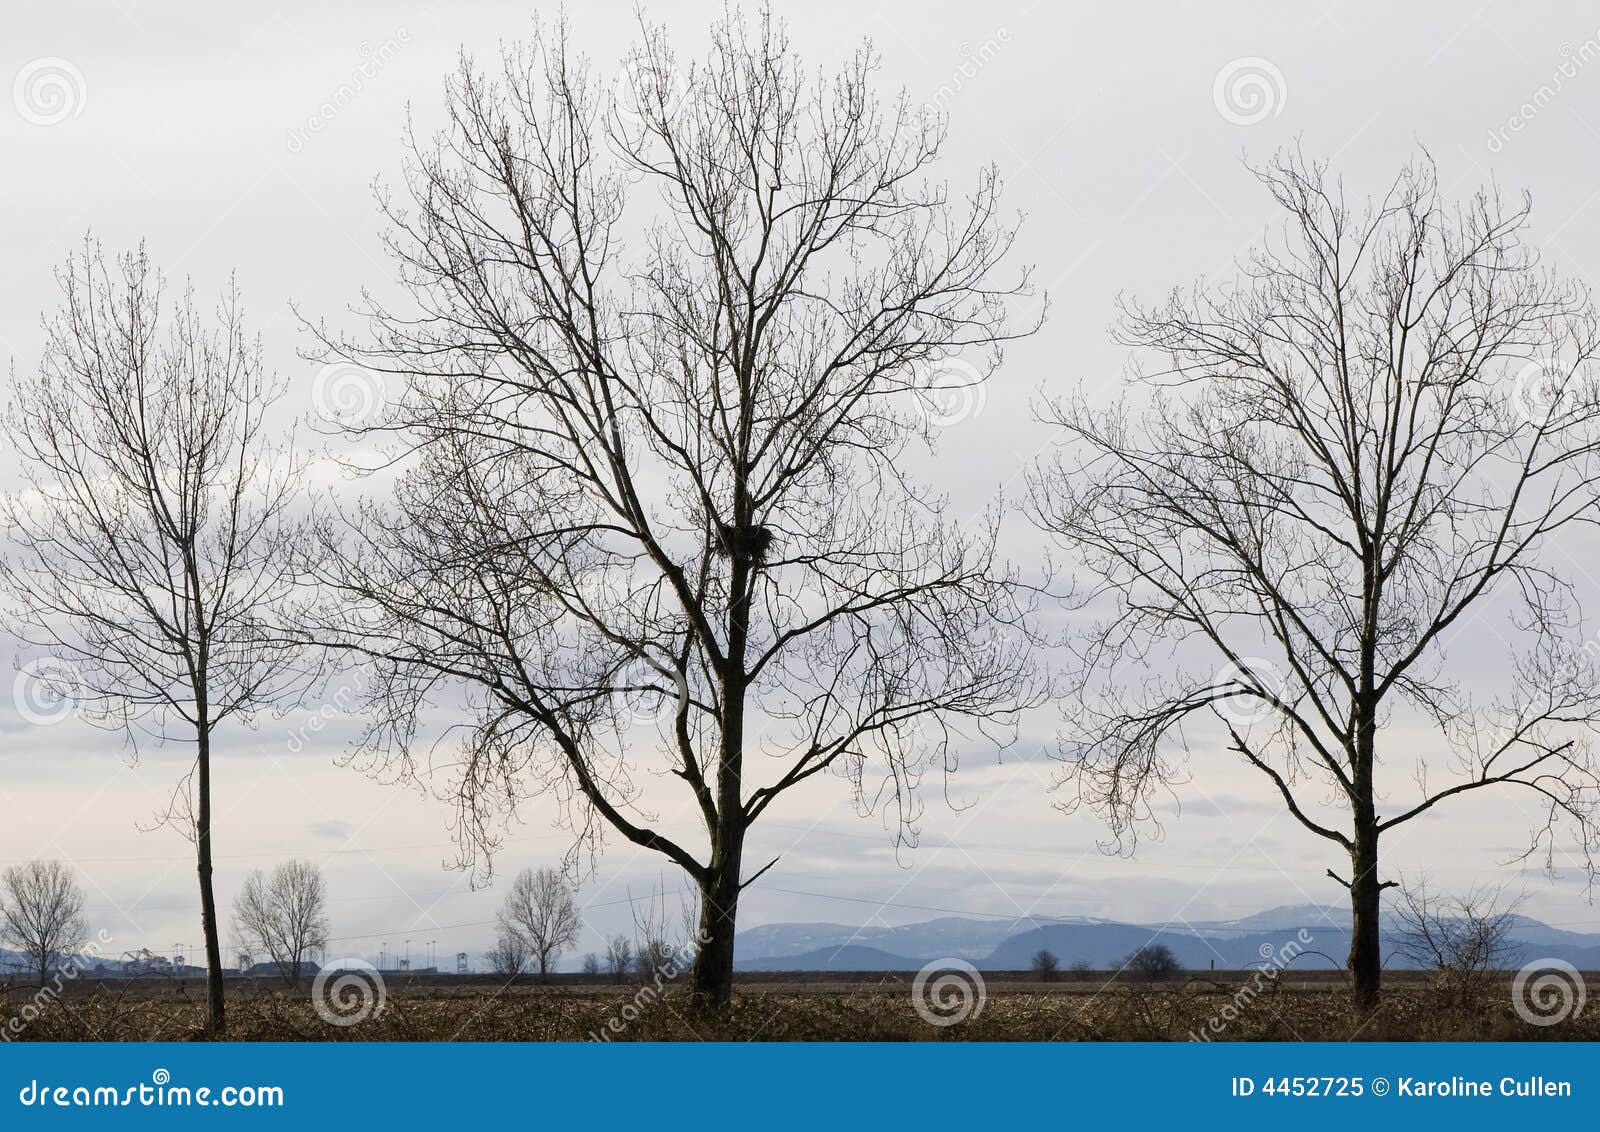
619	956
41	914
1362	445
284	916
509	955
1465	940
149	548
654	511
541	913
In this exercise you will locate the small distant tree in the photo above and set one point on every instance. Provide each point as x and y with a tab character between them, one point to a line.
1153	962
591	964
1045	965
653	950
284	915
619	956
1464	940
509	955
1081	968
41	913
541	911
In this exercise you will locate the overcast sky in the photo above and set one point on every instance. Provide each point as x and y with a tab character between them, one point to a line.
214	133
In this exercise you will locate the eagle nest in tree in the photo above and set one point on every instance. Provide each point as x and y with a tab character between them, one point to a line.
749	543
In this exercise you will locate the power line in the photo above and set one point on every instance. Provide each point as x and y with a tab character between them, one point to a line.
189	859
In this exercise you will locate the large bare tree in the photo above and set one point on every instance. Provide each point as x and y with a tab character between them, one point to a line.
1365	442
661	363
41	913
149	547
540	912
284	915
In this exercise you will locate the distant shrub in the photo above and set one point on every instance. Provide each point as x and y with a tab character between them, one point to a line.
1154	961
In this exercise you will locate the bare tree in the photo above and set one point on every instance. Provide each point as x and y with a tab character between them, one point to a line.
540	911
285	916
591	965
509	956
1045	965
1360	447
655	952
150	544
619	956
1154	962
654	512
1464	940
41	913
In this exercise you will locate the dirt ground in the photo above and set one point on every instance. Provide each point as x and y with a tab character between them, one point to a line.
1215	1006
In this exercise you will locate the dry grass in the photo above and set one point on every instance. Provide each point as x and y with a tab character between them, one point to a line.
879	1010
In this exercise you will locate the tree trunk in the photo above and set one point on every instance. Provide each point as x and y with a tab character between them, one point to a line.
1366	949
1366	957
712	975
216	1022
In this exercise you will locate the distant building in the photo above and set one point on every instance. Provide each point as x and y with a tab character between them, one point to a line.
271	970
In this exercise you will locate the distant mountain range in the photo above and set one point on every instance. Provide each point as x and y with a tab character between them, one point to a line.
1009	945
